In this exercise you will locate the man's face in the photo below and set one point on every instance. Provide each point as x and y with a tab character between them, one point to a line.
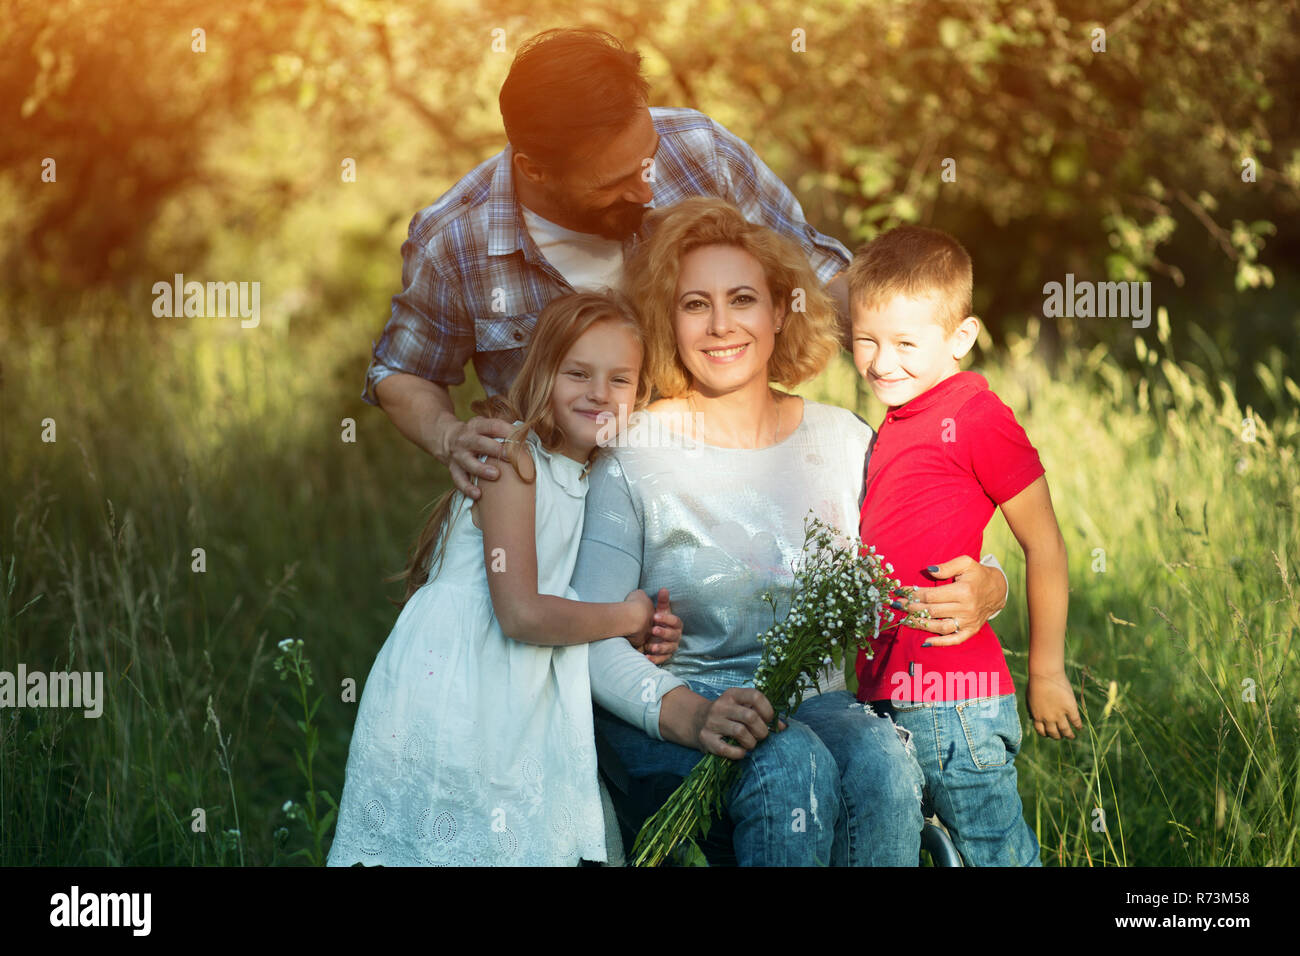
605	191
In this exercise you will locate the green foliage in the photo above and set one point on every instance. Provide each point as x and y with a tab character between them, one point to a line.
231	444
292	662
1125	163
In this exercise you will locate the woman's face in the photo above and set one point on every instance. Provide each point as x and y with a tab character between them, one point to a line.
724	318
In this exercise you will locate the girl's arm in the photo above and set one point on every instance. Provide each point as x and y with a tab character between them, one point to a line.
1050	696
506	513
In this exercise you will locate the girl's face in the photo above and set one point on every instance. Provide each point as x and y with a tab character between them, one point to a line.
724	318
596	383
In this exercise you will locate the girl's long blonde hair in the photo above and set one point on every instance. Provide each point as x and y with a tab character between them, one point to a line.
560	325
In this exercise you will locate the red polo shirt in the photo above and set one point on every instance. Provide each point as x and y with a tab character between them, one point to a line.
939	466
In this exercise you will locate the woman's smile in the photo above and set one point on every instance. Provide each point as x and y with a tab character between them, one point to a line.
722	293
724	354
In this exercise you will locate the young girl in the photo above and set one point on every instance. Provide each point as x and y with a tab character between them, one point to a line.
473	743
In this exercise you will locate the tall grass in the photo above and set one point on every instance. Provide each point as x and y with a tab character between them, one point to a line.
219	440
231	441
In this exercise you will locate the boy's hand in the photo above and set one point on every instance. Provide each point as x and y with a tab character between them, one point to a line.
666	633
1052	706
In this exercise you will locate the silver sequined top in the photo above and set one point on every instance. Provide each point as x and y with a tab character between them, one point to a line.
716	526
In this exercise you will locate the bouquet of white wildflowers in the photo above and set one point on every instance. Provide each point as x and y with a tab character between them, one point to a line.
841	591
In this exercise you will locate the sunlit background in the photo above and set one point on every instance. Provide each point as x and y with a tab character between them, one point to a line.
133	148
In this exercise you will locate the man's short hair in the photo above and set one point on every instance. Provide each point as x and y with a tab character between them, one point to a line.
915	262
567	90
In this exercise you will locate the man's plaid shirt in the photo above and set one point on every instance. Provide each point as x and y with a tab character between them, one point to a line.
474	280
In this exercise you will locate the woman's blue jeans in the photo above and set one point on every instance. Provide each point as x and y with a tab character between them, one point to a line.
839	786
967	749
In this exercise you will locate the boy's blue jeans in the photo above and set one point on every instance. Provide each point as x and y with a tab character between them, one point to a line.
967	750
838	786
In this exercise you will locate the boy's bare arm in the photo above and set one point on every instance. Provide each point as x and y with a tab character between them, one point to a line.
1050	697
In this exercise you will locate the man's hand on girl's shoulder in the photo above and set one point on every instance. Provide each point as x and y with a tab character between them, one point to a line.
463	443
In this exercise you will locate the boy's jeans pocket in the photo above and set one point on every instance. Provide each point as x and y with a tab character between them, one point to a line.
992	730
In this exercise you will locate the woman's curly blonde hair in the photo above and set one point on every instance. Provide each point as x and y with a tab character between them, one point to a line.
809	334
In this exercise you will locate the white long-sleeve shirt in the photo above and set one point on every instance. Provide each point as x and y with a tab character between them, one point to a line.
718	527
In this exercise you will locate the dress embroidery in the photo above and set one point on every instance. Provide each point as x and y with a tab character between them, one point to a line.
469	748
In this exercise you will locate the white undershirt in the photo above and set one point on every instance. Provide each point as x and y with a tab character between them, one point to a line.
588	263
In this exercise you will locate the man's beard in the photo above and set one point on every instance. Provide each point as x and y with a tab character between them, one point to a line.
617	221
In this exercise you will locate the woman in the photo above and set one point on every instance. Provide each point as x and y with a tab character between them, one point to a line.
706	496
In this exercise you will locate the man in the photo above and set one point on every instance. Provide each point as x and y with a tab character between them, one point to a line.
554	212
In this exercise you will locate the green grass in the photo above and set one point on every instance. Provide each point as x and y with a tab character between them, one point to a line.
230	440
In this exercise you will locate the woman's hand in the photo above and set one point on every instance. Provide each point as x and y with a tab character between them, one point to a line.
958	610
666	633
741	713
641	604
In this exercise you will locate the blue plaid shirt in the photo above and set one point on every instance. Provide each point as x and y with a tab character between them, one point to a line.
474	280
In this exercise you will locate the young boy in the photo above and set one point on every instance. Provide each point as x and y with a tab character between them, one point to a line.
947	453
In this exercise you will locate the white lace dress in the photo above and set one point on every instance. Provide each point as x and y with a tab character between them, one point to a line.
471	749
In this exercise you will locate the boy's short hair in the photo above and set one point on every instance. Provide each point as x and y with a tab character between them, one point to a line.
916	262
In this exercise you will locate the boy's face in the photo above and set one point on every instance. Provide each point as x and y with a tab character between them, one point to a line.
901	349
